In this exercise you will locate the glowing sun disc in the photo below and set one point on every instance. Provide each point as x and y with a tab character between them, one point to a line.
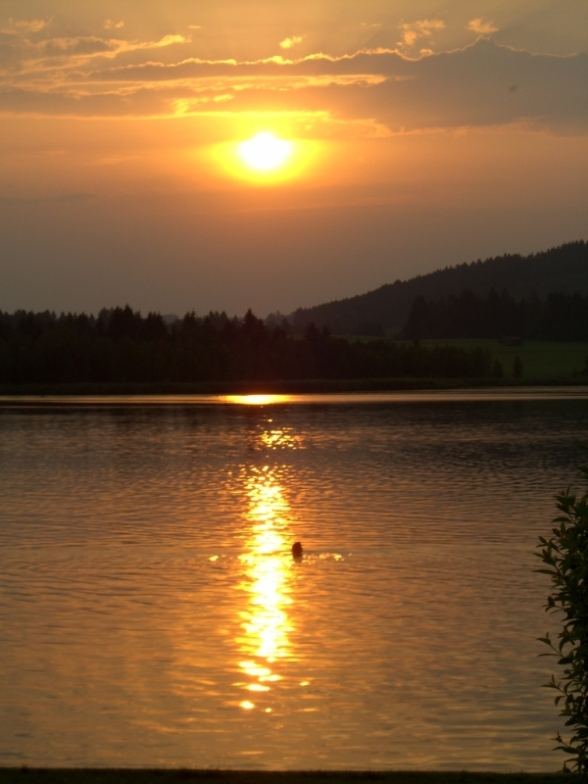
265	152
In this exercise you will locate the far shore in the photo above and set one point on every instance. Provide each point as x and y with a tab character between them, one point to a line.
304	386
27	775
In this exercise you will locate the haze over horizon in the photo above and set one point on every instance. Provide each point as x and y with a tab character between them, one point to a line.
426	137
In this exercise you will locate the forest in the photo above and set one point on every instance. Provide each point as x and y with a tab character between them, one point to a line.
385	310
120	345
559	317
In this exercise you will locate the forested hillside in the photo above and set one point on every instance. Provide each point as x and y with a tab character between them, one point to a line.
563	270
560	317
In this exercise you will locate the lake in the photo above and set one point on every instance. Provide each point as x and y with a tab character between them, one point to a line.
151	613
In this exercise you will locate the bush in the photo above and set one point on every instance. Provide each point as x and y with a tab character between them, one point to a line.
565	555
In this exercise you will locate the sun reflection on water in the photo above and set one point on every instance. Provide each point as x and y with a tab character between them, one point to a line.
256	400
265	622
281	438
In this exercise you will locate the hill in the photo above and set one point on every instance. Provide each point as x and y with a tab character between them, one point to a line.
563	269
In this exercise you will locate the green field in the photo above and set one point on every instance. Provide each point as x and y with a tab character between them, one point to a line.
35	776
541	361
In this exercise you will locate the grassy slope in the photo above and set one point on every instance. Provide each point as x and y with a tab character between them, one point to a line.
542	361
34	776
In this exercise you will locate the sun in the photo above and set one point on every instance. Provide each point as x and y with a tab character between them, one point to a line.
265	153
264	157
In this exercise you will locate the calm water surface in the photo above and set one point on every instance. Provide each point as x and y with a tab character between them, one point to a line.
151	612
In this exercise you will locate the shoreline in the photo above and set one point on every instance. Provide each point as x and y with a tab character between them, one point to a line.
304	386
30	775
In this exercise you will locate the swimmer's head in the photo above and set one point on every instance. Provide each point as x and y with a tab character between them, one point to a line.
297	550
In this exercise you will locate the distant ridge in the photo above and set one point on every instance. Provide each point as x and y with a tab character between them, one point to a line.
561	269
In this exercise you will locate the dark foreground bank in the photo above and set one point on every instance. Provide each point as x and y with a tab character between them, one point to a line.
56	776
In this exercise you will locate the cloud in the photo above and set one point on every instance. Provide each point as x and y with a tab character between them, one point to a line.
82	45
114	24
289	43
361	65
483	84
25	56
482	26
412	32
20	26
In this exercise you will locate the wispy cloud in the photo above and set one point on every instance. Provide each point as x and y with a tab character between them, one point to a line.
413	32
25	56
19	26
482	26
291	41
114	24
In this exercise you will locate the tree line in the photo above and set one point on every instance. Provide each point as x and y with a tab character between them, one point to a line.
121	345
558	316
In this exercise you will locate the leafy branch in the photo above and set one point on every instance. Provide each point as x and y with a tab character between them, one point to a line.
565	556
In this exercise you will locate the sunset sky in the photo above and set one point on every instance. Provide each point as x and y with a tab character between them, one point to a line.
424	133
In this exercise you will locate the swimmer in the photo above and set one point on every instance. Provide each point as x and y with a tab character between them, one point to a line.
297	551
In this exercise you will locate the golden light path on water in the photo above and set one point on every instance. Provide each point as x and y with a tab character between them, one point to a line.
265	622
256	400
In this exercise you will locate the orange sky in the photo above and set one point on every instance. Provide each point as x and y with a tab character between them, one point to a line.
426	136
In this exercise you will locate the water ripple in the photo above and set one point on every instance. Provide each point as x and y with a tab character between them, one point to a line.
151	612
